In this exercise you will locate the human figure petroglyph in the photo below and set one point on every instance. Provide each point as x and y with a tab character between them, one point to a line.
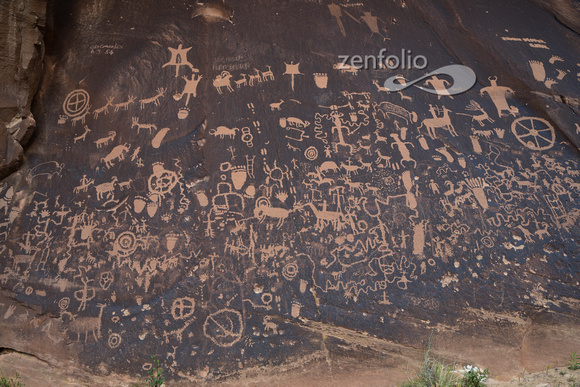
373	24
339	126
498	96
85	183
85	294
439	85
286	213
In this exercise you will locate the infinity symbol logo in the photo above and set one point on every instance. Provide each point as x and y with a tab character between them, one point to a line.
463	79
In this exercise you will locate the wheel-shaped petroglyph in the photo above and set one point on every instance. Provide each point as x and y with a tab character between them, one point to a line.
224	327
535	133
76	103
182	308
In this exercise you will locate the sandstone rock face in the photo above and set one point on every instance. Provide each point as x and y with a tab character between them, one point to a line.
21	51
209	184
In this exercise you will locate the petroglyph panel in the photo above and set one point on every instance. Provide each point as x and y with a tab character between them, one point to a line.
209	189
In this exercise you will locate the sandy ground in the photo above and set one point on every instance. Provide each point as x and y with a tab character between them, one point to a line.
35	372
551	377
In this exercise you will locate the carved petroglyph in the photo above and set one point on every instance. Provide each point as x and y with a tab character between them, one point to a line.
124	105
210	232
83	136
88	325
154	100
104	109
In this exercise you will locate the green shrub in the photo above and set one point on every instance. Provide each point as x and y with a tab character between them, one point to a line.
474	377
574	362
434	373
9	382
155	378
